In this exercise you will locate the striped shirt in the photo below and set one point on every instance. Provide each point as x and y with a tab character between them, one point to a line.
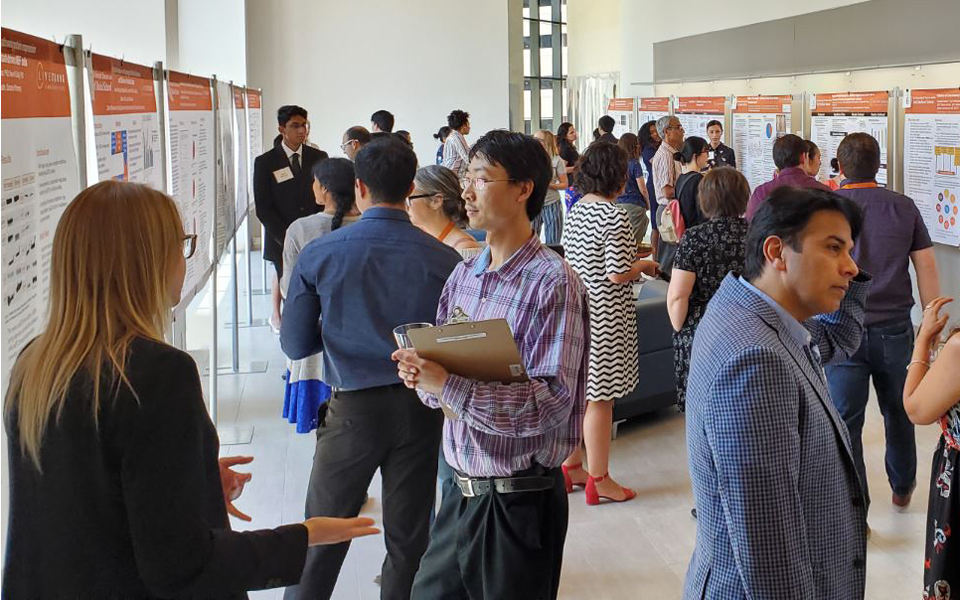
505	428
665	171
456	153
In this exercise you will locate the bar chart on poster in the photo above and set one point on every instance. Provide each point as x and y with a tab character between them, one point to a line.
40	178
931	159
126	125
695	112
833	116
623	111
757	123
652	109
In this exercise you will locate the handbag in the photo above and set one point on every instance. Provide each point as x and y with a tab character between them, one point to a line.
671	224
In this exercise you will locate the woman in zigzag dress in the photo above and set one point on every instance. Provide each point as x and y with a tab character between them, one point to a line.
600	245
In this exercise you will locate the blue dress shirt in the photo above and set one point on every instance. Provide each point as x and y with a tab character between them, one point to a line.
364	280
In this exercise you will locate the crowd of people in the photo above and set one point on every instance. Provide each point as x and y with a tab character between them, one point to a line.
786	302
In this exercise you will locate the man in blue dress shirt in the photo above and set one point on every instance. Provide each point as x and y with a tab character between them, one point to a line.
348	291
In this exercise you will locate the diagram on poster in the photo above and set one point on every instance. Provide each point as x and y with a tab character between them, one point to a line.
40	178
931	160
192	164
241	150
622	111
652	109
834	116
757	123
126	125
695	112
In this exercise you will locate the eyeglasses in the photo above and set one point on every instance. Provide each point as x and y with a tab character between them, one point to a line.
479	183
189	245
418	196
347	144
304	125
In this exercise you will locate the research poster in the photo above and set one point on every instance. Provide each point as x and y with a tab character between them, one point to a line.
931	159
226	183
126	126
652	109
254	132
695	112
623	113
192	164
40	178
241	149
833	116
757	123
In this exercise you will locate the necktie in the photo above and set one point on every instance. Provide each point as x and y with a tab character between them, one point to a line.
295	164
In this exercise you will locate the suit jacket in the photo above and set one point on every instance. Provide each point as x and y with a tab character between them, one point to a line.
280	204
132	506
780	510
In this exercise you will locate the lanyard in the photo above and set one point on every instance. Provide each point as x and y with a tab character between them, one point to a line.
860	186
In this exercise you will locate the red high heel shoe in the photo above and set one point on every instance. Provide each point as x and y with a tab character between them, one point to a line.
593	497
567	482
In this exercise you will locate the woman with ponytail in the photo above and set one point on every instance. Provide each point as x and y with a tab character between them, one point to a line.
305	399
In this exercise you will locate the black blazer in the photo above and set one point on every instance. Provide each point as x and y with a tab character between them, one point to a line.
135	509
280	204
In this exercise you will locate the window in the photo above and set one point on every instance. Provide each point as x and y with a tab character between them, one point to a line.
544	64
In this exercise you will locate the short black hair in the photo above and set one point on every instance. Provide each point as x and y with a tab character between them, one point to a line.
358	133
606	123
457	119
442	133
288	111
387	167
602	170
788	150
714	122
785	213
383	119
524	159
859	156
693	146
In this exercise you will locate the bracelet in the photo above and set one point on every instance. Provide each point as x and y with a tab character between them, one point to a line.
922	362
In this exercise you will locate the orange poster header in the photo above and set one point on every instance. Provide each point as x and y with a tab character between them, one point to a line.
852	103
701	104
764	104
655	104
34	78
121	88
238	102
253	98
188	92
945	102
620	104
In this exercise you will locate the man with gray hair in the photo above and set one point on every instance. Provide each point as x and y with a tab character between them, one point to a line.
665	174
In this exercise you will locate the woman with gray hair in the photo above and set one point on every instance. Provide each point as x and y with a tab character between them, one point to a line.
436	207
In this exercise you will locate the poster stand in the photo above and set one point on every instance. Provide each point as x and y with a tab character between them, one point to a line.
73	56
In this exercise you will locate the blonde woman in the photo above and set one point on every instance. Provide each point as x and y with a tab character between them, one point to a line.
116	490
551	218
436	207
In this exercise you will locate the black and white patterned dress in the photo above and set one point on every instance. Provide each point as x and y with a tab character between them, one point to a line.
598	240
941	566
710	251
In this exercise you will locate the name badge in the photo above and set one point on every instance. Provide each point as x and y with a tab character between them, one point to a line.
283	174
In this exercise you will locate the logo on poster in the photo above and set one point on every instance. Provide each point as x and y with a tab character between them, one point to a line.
44	77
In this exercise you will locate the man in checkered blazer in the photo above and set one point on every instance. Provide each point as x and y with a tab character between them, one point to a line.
779	503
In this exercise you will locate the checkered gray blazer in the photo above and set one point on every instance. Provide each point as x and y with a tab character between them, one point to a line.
780	508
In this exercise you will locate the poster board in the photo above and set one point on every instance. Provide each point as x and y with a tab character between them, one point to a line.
192	164
242	151
652	109
695	112
757	123
931	159
226	167
833	116
40	178
623	111
255	132
126	125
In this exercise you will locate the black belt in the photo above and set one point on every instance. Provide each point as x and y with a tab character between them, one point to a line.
471	486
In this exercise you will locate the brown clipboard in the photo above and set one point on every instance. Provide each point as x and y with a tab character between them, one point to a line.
481	350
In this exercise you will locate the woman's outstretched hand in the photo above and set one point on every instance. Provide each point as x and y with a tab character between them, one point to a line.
331	530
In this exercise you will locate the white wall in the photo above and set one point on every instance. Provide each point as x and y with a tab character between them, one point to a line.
419	60
593	37
212	38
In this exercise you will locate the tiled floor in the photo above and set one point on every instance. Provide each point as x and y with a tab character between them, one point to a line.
635	550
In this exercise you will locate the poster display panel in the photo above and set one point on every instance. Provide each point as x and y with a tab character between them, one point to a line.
241	150
757	123
126	125
40	178
833	116
227	184
623	113
652	109
192	166
254	133
695	112
931	160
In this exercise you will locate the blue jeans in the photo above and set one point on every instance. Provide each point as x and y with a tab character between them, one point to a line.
884	354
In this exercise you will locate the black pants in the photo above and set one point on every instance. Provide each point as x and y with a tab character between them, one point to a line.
501	546
386	428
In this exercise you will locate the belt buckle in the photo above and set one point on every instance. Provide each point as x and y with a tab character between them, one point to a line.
468	491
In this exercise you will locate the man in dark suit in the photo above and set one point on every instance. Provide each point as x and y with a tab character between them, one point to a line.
283	189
